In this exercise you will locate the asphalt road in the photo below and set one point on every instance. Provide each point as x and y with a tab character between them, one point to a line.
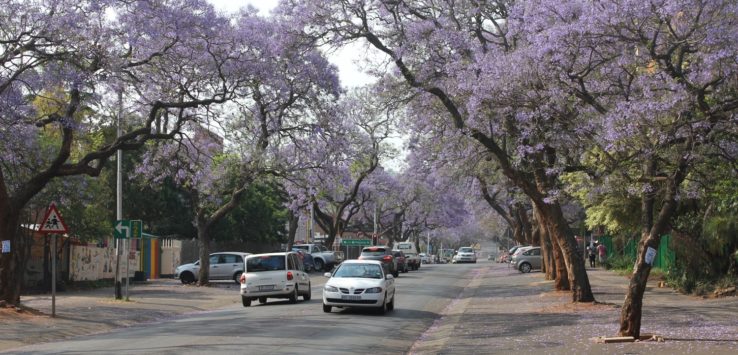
281	327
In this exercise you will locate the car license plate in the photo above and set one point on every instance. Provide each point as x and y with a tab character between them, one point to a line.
350	297
266	288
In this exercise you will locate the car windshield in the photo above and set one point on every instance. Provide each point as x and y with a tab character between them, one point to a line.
265	263
466	250
369	271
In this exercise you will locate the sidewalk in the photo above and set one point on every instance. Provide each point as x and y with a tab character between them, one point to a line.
96	311
504	311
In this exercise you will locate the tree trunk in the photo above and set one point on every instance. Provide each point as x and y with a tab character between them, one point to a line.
576	271
547	256
561	274
293	222
630	316
203	244
13	264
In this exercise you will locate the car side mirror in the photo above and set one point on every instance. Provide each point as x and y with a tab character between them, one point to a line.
327	274
389	277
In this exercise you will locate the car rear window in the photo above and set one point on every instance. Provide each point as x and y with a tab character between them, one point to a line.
373	251
265	263
404	246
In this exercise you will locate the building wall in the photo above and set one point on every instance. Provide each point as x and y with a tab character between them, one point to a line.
90	263
171	256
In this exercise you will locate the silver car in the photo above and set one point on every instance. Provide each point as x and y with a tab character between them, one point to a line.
465	255
527	260
223	266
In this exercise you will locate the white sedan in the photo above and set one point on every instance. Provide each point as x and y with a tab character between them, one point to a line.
359	283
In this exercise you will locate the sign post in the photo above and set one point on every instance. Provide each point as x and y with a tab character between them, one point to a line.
53	224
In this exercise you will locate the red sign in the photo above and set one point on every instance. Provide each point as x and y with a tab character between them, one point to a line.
53	222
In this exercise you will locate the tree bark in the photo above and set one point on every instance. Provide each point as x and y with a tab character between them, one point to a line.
549	267
293	222
631	314
576	271
561	278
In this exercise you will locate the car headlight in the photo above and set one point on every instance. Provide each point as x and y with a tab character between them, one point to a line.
373	290
330	288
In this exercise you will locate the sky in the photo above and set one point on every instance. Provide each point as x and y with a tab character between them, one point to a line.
345	59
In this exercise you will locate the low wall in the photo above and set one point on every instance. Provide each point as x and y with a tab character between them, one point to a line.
90	263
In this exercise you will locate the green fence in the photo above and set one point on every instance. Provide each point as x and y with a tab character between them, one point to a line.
664	258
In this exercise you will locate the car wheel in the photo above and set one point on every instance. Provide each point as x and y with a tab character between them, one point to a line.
307	295
383	308
525	267
293	295
187	278
326	308
237	277
318	265
246	301
396	273
262	300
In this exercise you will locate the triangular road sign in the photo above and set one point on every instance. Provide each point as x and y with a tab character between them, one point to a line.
53	222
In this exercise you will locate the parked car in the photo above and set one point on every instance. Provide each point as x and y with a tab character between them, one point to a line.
324	258
527	259
424	258
307	260
401	262
359	283
223	266
465	255
383	254
274	275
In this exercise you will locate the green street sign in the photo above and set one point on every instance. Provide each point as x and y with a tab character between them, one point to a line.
356	242
136	228
122	229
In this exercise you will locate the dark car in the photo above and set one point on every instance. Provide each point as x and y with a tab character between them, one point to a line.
383	254
401	260
307	260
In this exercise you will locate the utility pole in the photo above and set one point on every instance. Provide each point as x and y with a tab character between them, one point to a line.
118	196
374	233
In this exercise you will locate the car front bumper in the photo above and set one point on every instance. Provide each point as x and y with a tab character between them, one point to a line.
337	299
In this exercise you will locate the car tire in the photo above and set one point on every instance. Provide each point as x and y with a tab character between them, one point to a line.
318	265
391	304
307	295
525	268
246	301
326	308
396	273
187	278
293	295
237	277
383	308
262	300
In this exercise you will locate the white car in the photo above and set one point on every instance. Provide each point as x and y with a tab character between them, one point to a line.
359	283
465	255
424	258
274	275
223	266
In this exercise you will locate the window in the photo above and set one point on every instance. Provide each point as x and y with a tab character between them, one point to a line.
291	262
214	259
265	263
230	258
